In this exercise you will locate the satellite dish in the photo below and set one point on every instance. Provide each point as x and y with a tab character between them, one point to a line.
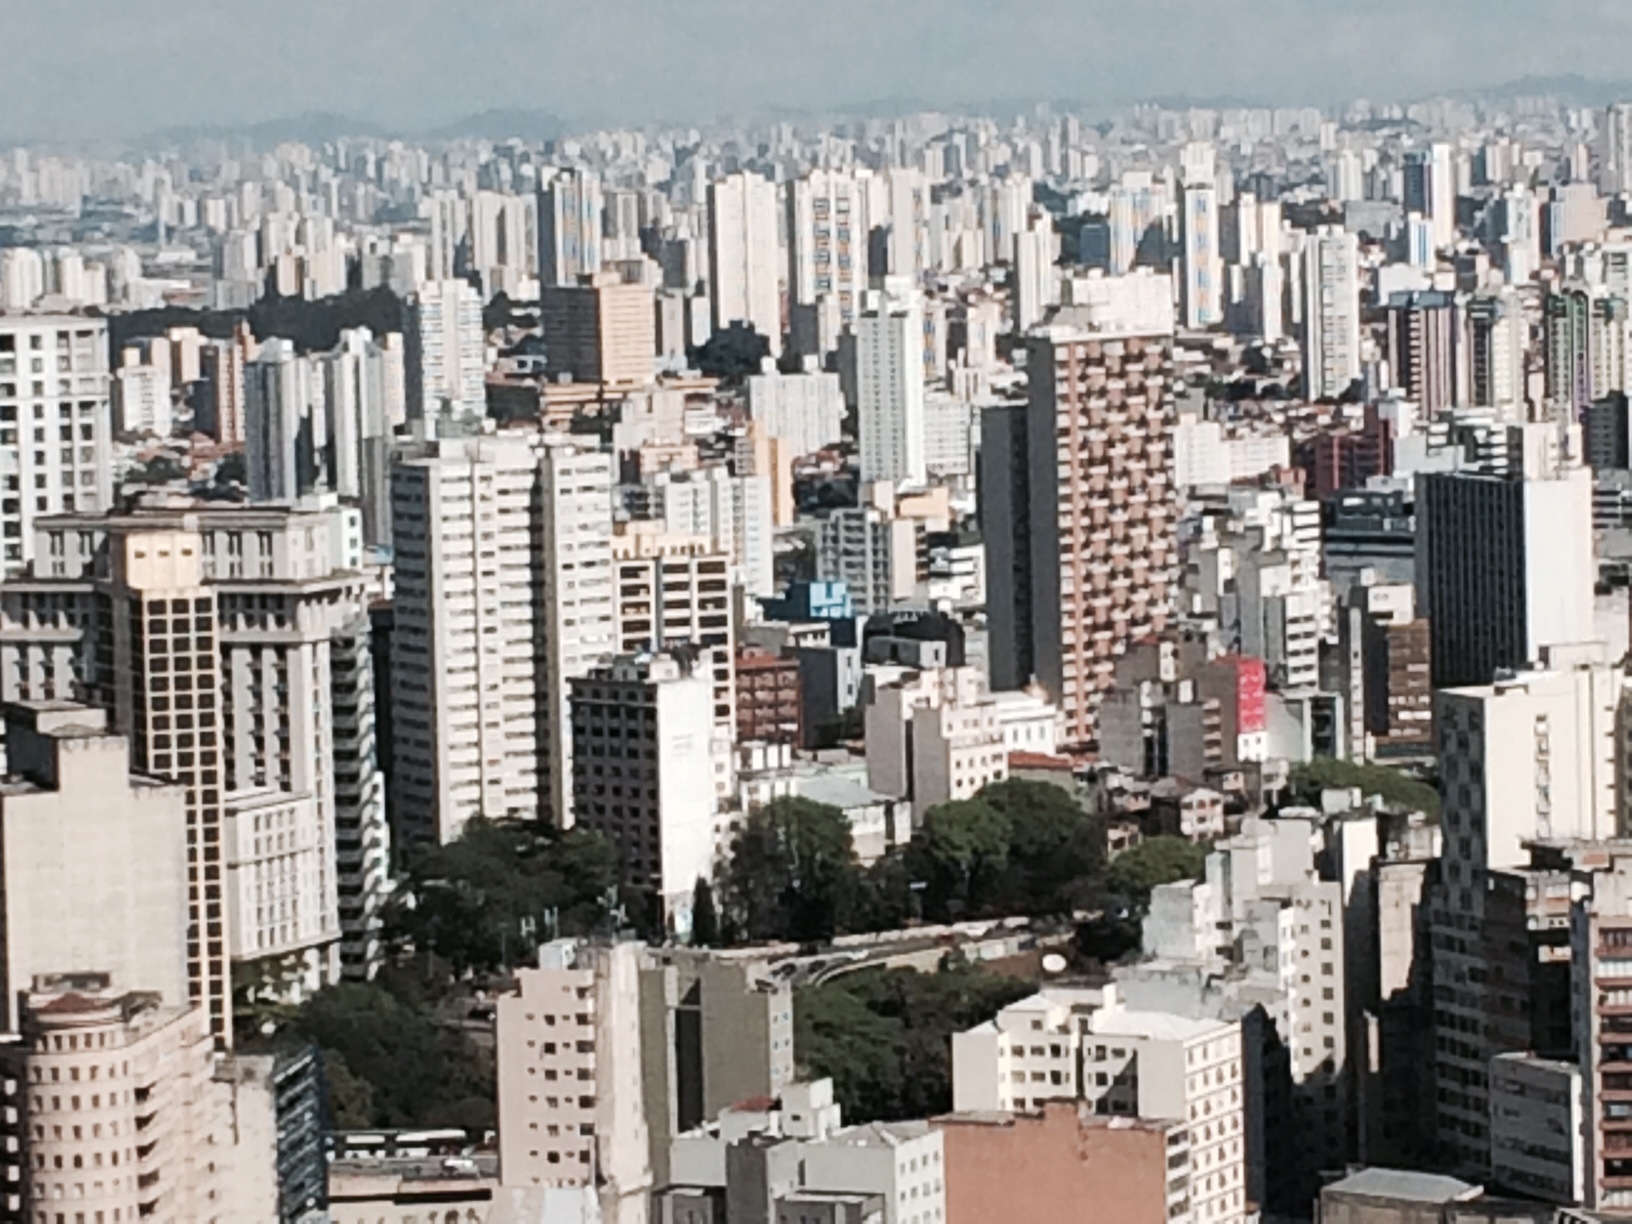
1054	963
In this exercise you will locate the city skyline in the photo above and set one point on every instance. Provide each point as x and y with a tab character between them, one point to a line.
366	65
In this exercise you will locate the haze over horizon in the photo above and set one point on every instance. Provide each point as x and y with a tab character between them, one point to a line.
410	65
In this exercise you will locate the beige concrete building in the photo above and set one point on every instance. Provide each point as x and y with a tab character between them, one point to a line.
602	329
115	1115
569	1069
93	869
1078	1044
503	571
288	602
935	736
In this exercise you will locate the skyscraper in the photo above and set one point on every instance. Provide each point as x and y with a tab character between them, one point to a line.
890	385
284	423
1079	519
742	255
569	227
1202	287
1615	151
446	355
827	240
503	594
1331	312
294	710
1430	189
1424	353
1505	560
55	425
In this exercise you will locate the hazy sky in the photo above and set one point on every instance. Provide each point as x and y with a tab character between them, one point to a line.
95	68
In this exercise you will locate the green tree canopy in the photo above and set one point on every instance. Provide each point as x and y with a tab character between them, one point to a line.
483	900
884	1036
791	874
1056	852
1393	787
1156	860
392	1061
959	854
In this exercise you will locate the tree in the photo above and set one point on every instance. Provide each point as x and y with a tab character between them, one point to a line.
792	873
482	901
1056	849
731	353
884	1036
1388	784
1154	861
705	917
958	855
395	1060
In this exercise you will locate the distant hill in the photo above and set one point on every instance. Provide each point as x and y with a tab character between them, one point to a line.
503	123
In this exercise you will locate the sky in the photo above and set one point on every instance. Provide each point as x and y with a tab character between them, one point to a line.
97	69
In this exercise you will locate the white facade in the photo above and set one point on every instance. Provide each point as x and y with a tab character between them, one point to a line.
142	397
743	255
283	423
935	736
890	386
503	594
1331	312
827	239
804	411
53	384
1074	1044
446	358
643	772
1536	1128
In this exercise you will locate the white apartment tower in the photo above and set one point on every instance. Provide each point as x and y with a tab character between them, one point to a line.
890	385
1073	1044
569	227
55	425
642	764
827	240
284	423
503	594
446	356
743	255
1331	312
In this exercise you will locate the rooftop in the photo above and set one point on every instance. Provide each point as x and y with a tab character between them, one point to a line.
1404	1184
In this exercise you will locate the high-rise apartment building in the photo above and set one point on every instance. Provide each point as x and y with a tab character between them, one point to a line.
1078	516
569	228
223	368
601	329
571	1092
1074	1044
503	593
1532	756
1430	190
675	591
1331	312
743	259
1498	337
1504	561
284	419
890	385
445	358
1425	353
55	424
643	777
1203	283
1615	151
1600	937
115	1113
828	240
76	823
305	824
